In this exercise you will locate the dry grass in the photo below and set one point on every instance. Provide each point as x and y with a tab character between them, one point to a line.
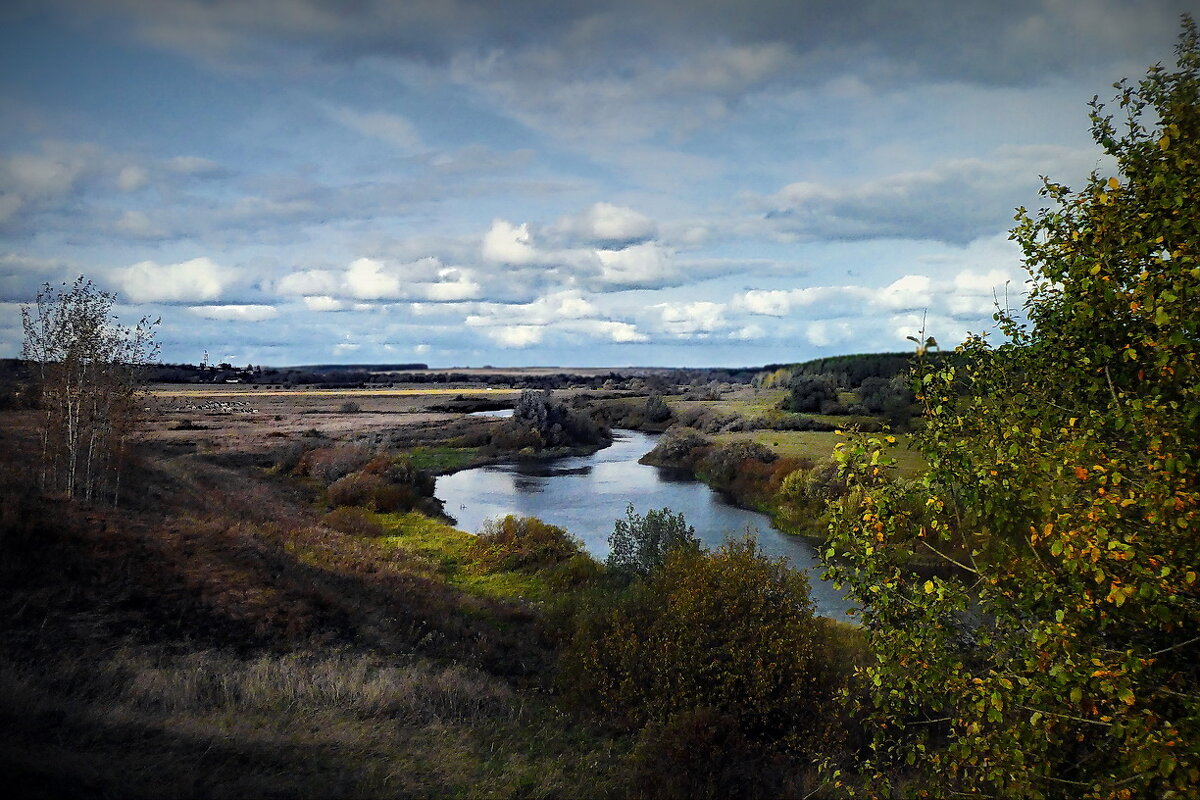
144	723
332	394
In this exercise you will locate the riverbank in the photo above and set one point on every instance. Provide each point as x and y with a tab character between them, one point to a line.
235	625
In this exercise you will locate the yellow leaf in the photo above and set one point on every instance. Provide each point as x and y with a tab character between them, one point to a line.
1164	143
928	587
1113	183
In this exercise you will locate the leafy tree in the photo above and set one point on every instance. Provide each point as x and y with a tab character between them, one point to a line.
85	366
640	544
809	393
1055	653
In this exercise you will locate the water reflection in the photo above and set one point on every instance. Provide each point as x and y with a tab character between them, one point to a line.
589	493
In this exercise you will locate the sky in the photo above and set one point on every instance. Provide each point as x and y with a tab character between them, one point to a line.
545	182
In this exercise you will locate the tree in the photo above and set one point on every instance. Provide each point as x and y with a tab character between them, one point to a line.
809	393
85	367
1052	649
640	544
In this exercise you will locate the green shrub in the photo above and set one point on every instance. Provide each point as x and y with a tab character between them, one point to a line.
640	544
656	409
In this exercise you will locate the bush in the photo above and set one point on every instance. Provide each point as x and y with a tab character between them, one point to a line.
350	407
387	485
523	544
722	464
639	544
327	464
730	630
678	447
657	409
355	489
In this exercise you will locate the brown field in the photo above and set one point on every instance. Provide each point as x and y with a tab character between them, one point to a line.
247	418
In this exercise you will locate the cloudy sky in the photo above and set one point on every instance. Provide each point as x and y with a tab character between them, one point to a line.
610	182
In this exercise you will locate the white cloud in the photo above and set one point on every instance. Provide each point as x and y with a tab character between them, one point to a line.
824	333
235	313
365	279
649	265
685	320
187	281
776	303
749	332
910	291
323	302
516	336
452	285
505	243
605	222
612	330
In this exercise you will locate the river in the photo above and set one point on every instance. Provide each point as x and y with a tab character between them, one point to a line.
586	494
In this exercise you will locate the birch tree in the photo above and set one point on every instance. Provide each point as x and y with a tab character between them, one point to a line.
86	368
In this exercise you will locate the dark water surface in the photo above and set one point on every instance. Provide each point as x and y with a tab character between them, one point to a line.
587	494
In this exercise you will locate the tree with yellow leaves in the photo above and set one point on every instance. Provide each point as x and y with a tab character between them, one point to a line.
1033	602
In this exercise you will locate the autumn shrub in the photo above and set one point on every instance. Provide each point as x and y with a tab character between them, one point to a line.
728	630
355	489
328	464
523	543
721	465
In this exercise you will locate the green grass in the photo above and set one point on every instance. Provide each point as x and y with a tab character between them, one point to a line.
449	551
818	446
442	459
764	403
